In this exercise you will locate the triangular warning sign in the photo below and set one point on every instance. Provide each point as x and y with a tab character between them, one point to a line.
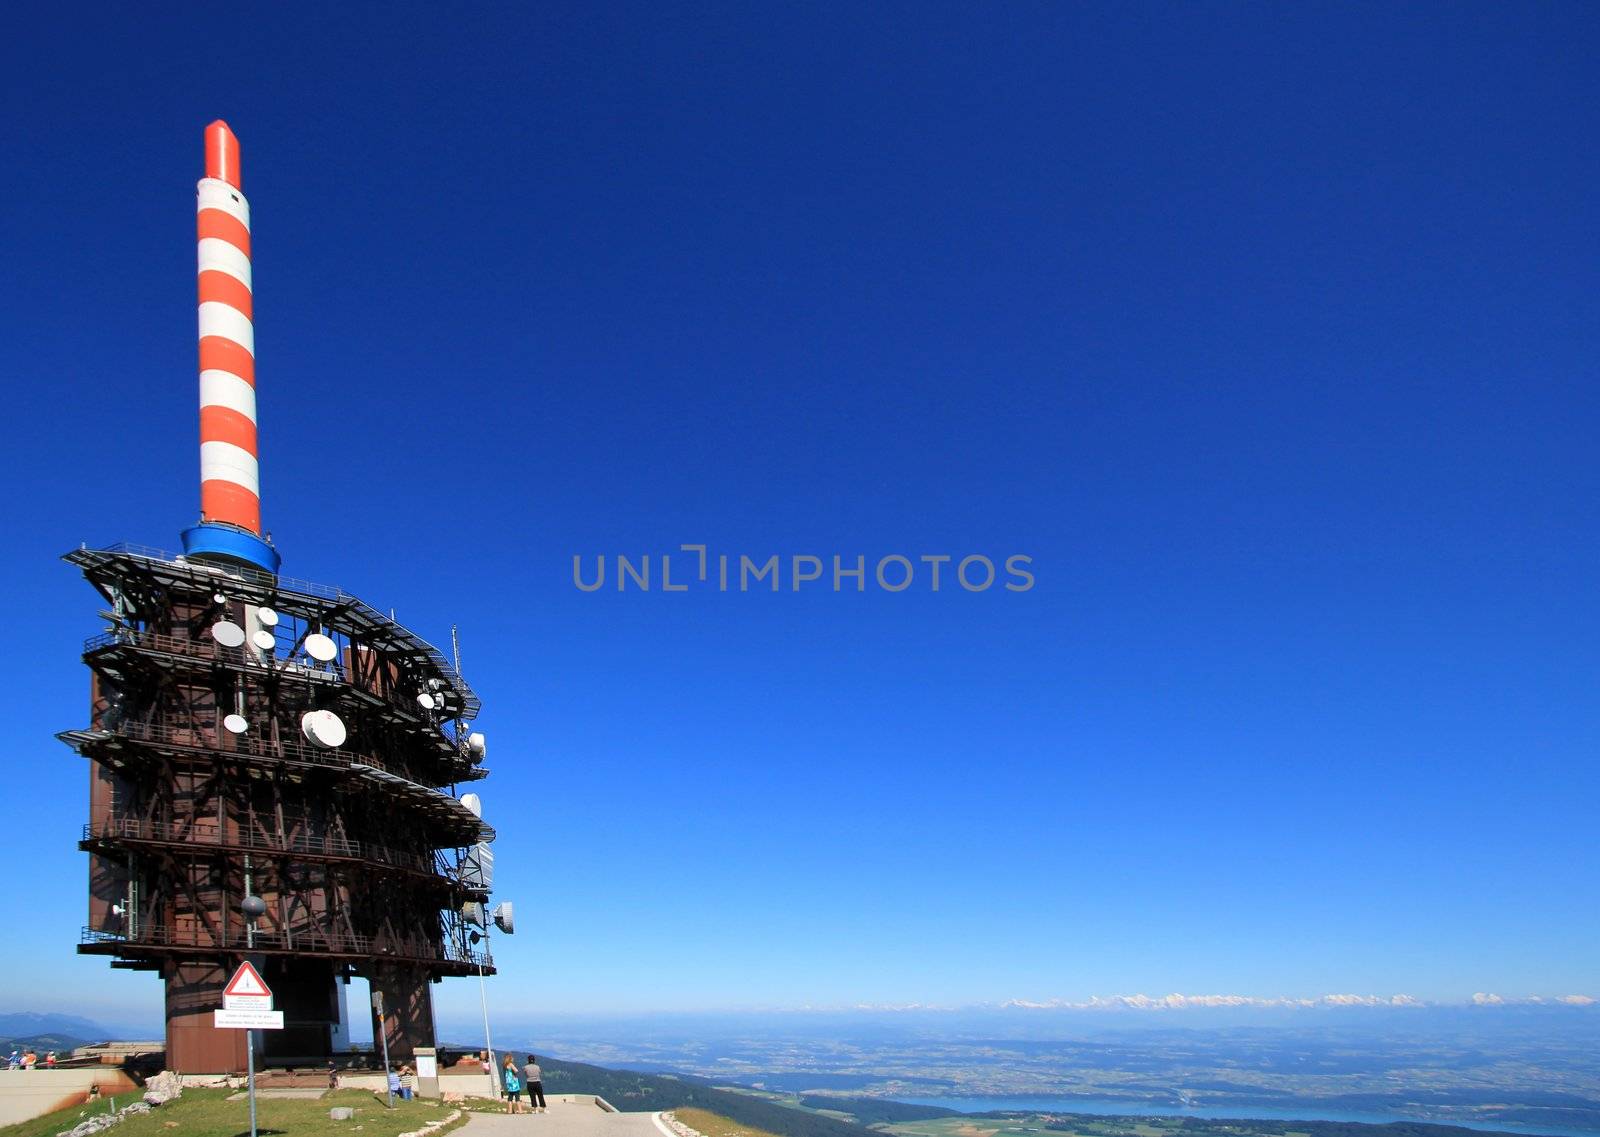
247	981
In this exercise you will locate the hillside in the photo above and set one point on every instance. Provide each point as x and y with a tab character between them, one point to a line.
628	1090
710	1125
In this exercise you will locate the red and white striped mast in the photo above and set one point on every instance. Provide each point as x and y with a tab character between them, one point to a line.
230	477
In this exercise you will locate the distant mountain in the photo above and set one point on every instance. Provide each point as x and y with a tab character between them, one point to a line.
28	1023
41	1043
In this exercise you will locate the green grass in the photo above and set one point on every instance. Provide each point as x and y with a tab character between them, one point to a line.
205	1113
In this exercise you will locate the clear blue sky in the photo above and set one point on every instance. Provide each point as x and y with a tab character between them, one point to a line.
1267	331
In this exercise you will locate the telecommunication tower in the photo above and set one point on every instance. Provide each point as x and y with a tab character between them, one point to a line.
254	735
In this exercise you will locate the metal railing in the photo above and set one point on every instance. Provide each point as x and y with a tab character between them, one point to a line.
289	584
207	649
195	738
200	937
303	844
241	572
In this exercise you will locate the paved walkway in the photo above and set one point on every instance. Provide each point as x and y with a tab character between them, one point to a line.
565	1119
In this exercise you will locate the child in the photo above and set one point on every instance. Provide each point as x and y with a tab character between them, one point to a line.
513	1085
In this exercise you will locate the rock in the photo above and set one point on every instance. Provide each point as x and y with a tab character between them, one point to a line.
164	1087
94	1125
136	1107
341	1113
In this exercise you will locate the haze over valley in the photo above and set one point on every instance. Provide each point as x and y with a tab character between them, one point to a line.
1498	1065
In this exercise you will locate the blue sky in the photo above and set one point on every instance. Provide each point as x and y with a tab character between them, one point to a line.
1265	331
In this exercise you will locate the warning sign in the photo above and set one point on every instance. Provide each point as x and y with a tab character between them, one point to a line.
247	1020
247	991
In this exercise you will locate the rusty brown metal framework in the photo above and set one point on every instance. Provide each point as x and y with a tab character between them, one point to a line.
356	849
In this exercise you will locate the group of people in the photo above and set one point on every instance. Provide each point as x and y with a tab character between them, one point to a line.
514	1081
529	1078
398	1086
29	1060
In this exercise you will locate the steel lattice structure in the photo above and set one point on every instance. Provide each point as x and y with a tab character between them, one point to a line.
355	848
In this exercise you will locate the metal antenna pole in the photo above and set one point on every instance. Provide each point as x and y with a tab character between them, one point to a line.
483	989
461	722
483	996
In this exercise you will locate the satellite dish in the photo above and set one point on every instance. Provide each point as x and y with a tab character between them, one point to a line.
320	648
502	917
219	598
118	911
473	803
236	724
472	913
263	639
436	684
477	743
426	701
268	618
323	728
227	633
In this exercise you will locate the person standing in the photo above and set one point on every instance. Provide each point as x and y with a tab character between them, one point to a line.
534	1078
513	1085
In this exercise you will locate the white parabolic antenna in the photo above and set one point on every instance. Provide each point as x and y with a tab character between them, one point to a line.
263	639
503	919
320	648
426	701
227	633
478	744
268	618
473	803
236	724
323	728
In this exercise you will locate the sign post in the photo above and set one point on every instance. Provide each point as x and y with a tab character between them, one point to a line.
247	1006
383	1033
